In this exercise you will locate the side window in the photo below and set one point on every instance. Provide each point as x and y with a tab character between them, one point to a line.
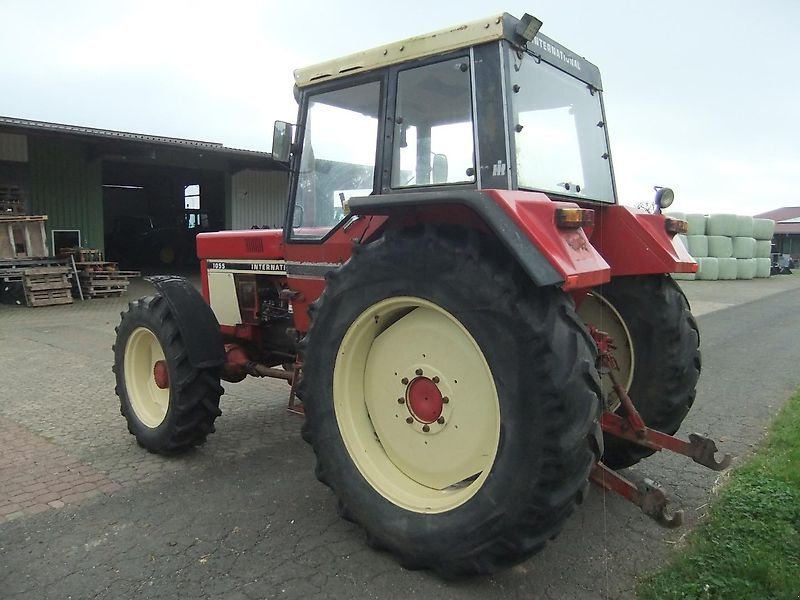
433	138
338	160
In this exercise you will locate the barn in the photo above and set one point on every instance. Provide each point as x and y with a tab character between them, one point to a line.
139	198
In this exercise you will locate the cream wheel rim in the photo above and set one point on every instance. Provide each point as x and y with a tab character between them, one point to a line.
416	405
143	355
598	311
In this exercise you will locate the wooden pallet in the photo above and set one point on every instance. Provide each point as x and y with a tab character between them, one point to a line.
46	278
48	297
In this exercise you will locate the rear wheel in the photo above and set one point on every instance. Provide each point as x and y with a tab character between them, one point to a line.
658	350
169	405
452	406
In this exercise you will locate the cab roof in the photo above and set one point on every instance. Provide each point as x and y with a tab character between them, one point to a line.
497	27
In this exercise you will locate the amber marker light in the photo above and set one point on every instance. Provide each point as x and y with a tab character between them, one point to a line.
573	218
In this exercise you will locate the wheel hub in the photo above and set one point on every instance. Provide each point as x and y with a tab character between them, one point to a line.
160	374
424	400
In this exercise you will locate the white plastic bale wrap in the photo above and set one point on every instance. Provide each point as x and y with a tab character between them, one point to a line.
746	268
744	247
728	269
720	246
744	226
684	276
726	225
763	267
763	249
697	224
697	245
709	268
763	229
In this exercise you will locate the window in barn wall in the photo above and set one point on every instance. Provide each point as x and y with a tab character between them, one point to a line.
191	197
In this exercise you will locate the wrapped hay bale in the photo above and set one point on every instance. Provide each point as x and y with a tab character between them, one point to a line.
744	226
697	245
746	268
709	268
697	224
684	276
763	267
763	229
720	246
763	249
728	268
726	225
744	247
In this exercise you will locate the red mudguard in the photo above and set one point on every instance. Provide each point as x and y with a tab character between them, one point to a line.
636	243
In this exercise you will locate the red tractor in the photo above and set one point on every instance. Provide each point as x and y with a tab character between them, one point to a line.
471	323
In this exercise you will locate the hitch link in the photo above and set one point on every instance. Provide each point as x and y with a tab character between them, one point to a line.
651	498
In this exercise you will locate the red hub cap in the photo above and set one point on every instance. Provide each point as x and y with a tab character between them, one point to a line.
160	374
424	400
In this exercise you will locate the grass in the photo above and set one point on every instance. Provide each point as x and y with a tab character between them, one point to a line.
749	546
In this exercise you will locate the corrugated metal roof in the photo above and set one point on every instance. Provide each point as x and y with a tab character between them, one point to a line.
110	134
787	219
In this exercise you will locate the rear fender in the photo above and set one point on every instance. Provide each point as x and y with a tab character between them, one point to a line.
523	221
636	243
195	319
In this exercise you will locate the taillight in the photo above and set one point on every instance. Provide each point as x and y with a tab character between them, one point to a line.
676	226
573	218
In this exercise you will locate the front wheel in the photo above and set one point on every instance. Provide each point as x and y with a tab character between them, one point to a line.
453	407
169	405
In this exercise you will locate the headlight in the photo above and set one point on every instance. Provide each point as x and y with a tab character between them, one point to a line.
664	197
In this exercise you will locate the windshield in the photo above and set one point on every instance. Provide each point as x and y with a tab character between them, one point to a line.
560	136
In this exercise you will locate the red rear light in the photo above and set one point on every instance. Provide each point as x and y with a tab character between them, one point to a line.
573	218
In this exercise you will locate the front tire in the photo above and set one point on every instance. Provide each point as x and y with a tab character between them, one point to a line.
169	405
452	406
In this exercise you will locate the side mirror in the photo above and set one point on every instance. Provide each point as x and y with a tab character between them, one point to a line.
282	136
439	174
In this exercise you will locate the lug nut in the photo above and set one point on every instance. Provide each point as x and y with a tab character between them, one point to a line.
445	399
418	372
404	381
409	420
440	420
401	400
425	428
435	379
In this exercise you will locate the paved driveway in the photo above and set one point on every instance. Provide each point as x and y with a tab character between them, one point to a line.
86	513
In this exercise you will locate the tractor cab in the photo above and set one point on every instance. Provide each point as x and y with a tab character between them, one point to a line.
492	104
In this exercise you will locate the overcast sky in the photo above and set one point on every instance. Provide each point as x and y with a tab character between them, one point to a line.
702	96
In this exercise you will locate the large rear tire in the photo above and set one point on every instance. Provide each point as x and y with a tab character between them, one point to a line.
452	406
169	405
658	348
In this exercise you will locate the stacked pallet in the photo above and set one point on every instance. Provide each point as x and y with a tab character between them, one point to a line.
100	279
35	282
727	246
12	200
45	286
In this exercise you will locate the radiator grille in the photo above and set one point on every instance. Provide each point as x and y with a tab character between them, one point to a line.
254	245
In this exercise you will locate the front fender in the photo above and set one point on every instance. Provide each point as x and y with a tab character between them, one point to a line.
195	319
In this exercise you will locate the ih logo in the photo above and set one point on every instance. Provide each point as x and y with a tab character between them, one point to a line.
498	169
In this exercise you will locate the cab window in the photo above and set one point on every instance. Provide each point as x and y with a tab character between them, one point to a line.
338	159
433	137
